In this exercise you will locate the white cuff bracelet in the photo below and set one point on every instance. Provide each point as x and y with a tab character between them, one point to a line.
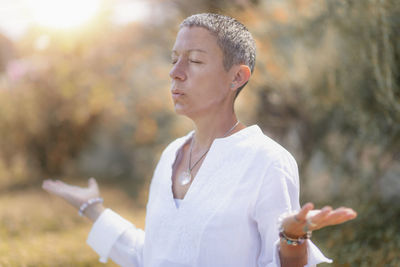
88	203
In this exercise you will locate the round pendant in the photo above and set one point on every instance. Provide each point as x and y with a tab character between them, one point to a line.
185	178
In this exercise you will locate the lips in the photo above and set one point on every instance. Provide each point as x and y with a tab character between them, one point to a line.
176	93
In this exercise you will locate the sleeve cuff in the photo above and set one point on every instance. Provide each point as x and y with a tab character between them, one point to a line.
105	232
314	256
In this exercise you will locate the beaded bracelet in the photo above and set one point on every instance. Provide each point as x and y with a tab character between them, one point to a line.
88	203
294	241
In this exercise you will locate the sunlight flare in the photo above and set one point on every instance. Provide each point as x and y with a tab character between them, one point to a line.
63	14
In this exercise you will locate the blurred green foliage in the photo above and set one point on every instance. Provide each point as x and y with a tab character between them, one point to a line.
95	102
371	240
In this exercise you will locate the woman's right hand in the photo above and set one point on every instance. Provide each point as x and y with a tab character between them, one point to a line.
76	195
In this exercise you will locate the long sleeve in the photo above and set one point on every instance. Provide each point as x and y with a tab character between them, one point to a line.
114	237
278	194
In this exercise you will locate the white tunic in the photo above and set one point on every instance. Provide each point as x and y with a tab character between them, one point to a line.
227	218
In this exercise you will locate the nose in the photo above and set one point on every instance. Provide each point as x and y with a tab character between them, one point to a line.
178	71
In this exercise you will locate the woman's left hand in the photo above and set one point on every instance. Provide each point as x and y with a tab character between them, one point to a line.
309	219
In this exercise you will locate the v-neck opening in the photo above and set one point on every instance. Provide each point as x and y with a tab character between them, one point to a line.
194	184
184	200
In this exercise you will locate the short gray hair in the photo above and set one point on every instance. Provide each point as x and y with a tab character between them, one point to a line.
234	39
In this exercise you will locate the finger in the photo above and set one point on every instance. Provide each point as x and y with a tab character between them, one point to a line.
348	214
61	183
57	187
52	187
319	215
45	182
93	185
66	187
339	216
301	216
343	211
48	183
316	219
92	182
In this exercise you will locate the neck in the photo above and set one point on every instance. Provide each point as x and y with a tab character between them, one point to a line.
207	128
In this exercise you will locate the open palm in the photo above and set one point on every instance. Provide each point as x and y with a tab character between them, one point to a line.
75	195
294	225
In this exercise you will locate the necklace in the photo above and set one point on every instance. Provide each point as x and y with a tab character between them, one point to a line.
186	176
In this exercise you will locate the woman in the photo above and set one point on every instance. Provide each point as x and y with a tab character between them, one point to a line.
219	195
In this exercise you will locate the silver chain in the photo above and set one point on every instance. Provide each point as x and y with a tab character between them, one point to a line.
191	147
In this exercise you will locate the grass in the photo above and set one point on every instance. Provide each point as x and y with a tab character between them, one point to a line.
38	229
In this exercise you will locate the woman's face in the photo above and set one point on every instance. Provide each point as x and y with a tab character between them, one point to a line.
200	84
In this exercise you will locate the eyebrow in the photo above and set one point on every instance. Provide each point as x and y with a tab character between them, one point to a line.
190	50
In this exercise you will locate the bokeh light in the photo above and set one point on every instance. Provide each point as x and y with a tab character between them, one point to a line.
63	13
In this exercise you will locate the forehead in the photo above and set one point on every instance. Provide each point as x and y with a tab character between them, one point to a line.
195	38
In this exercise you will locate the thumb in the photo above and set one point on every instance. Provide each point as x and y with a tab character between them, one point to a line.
302	215
92	183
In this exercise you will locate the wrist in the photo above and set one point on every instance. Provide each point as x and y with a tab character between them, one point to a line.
94	211
291	231
295	235
292	255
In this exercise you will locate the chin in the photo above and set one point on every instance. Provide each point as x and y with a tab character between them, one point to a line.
181	110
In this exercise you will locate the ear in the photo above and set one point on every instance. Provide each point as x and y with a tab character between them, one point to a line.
241	75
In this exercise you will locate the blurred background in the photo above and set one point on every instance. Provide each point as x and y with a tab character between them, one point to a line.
84	91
